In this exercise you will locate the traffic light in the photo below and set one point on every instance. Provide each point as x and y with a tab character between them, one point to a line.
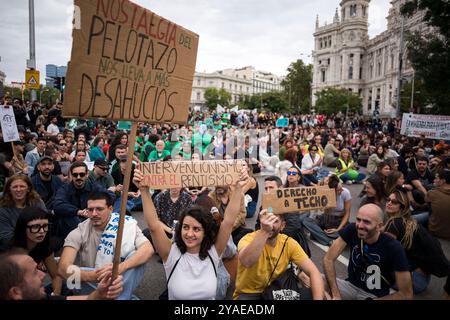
58	83
63	83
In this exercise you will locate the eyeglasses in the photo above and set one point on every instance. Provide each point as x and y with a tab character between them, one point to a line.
35	228
81	175
98	209
292	173
103	168
393	201
63	144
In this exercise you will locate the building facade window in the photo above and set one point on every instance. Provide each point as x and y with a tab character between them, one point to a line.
198	96
323	75
350	73
199	82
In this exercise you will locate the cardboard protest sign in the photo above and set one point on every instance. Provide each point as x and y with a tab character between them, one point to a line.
184	174
429	126
299	199
128	63
8	124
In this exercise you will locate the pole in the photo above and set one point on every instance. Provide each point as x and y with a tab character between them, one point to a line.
411	108
32	62
123	203
400	65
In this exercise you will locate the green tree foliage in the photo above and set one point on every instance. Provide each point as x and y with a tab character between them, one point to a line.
332	100
297	86
45	95
420	99
214	97
429	53
273	101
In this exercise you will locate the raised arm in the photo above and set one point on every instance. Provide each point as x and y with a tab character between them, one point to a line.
231	213
160	240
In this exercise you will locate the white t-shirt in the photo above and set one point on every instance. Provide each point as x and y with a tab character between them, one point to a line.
52	128
340	200
192	279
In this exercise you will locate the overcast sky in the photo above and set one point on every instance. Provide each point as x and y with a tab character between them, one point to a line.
268	34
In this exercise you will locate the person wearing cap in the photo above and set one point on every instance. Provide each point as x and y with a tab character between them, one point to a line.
45	182
101	176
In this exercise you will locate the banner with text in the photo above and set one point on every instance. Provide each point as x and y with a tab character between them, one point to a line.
184	174
299	199
128	63
8	124
430	126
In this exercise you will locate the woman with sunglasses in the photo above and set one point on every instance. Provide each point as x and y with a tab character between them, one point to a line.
62	150
415	239
32	233
18	194
294	178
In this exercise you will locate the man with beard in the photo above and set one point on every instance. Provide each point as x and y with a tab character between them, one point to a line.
374	260
20	279
71	199
45	183
265	254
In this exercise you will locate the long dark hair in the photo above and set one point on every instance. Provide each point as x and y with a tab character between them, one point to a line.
209	225
42	250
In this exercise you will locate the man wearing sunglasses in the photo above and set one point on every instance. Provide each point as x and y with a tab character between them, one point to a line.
101	176
377	261
71	199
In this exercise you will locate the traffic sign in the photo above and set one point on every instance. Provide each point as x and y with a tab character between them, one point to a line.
32	79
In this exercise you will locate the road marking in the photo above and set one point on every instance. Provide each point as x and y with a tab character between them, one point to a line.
341	258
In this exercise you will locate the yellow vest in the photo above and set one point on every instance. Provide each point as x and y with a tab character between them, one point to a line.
344	167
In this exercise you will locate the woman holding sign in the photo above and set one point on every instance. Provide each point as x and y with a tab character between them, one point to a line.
191	261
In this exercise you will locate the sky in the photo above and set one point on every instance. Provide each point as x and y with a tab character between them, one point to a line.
267	34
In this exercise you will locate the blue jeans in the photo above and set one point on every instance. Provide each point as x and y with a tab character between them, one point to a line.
420	282
421	218
345	177
131	279
131	203
317	233
251	209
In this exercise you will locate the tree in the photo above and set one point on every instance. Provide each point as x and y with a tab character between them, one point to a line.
429	52
297	86
214	97
332	100
274	101
421	98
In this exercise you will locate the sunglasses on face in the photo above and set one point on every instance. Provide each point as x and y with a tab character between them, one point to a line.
292	173
102	168
393	201
35	228
81	175
63	144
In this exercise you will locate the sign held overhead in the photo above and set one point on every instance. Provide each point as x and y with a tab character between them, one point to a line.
128	63
184	174
299	199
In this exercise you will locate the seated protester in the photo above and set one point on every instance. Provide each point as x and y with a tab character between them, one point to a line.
45	182
222	198
148	147
191	261
80	146
421	179
312	165
159	153
134	196
347	169
324	229
119	151
101	176
363	154
392	163
251	192
415	240
375	158
32	233
374	192
331	152
370	250
439	201
93	242
169	204
18	194
265	254
71	199
20	279
396	181
96	151
382	171
406	153
32	157
18	163
293	220
226	271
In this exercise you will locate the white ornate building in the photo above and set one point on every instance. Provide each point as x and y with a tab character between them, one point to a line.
243	81
345	57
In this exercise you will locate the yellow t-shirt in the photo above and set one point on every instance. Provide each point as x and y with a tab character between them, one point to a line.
254	279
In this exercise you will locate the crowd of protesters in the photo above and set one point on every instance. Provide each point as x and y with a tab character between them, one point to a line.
62	185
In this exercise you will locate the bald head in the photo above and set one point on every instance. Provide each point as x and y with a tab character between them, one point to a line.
373	211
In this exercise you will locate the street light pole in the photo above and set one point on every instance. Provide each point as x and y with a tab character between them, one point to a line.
411	108
400	65
31	64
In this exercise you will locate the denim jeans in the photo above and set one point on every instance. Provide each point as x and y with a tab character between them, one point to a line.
317	233
131	203
421	218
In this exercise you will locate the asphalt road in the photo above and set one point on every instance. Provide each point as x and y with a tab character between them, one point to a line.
154	281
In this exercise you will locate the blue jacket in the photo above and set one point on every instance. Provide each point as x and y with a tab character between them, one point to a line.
68	201
39	186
